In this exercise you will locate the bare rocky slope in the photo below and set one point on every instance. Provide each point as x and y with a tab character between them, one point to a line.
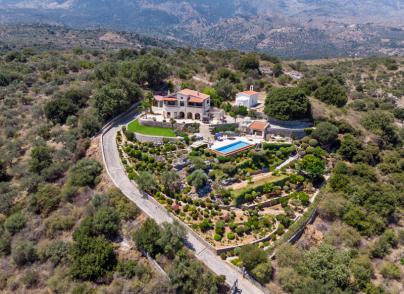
289	28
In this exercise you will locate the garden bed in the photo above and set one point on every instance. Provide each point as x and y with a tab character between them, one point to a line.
188	183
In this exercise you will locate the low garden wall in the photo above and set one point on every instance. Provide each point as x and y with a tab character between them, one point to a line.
152	123
223	127
267	203
156	139
167	124
293	124
286	132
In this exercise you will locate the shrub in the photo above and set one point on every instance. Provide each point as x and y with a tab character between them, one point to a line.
284	220
262	272
147	236
383	245
15	223
313	166
57	251
23	252
126	209
205	225
326	133
376	120
219	227
116	97
287	104
46	199
171	239
89	124
92	258
197	178
251	256
130	269
41	158
249	61
391	271
302	197
106	222
85	172
349	148
57	223
146	182
217	237
5	244
231	236
30	279
332	93
57	110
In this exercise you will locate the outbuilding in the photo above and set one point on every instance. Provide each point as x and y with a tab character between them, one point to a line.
248	99
258	128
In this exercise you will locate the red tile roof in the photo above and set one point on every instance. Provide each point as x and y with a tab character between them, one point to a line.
249	93
164	98
259	125
196	100
192	93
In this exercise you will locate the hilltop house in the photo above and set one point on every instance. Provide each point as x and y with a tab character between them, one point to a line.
247	98
185	104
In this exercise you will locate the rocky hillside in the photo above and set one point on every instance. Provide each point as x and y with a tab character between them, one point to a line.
289	28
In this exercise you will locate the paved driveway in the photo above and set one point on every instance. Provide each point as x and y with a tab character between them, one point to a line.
117	173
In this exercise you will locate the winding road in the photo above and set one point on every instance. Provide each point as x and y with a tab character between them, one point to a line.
149	206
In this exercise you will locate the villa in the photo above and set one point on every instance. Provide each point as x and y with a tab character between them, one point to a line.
185	104
248	99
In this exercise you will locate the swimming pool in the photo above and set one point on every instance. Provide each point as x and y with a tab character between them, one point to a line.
232	148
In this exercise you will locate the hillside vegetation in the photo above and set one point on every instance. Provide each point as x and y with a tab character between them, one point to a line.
64	229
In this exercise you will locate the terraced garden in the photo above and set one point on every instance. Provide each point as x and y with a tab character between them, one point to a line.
196	186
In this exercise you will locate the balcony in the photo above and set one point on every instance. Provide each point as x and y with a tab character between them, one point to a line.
171	104
195	105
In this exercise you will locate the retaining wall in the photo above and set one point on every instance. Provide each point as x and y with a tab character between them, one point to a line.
293	124
286	132
155	139
267	203
167	124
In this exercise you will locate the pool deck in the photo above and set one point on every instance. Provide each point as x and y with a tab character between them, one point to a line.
219	144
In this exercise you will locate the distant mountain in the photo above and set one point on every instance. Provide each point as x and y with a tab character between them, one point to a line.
291	28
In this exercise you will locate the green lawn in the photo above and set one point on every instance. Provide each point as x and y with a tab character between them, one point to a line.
136	127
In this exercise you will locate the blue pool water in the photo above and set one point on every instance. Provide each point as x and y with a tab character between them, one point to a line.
232	147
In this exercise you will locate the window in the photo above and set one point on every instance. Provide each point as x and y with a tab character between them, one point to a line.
182	103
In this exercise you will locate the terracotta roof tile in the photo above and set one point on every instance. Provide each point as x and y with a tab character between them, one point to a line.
250	92
192	93
196	100
258	125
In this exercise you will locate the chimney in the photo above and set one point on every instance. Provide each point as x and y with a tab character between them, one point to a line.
168	92
251	88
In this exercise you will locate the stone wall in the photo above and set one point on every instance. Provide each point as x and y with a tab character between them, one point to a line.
292	124
152	123
286	132
166	124
155	139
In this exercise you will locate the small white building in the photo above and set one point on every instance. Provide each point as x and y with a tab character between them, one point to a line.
247	98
